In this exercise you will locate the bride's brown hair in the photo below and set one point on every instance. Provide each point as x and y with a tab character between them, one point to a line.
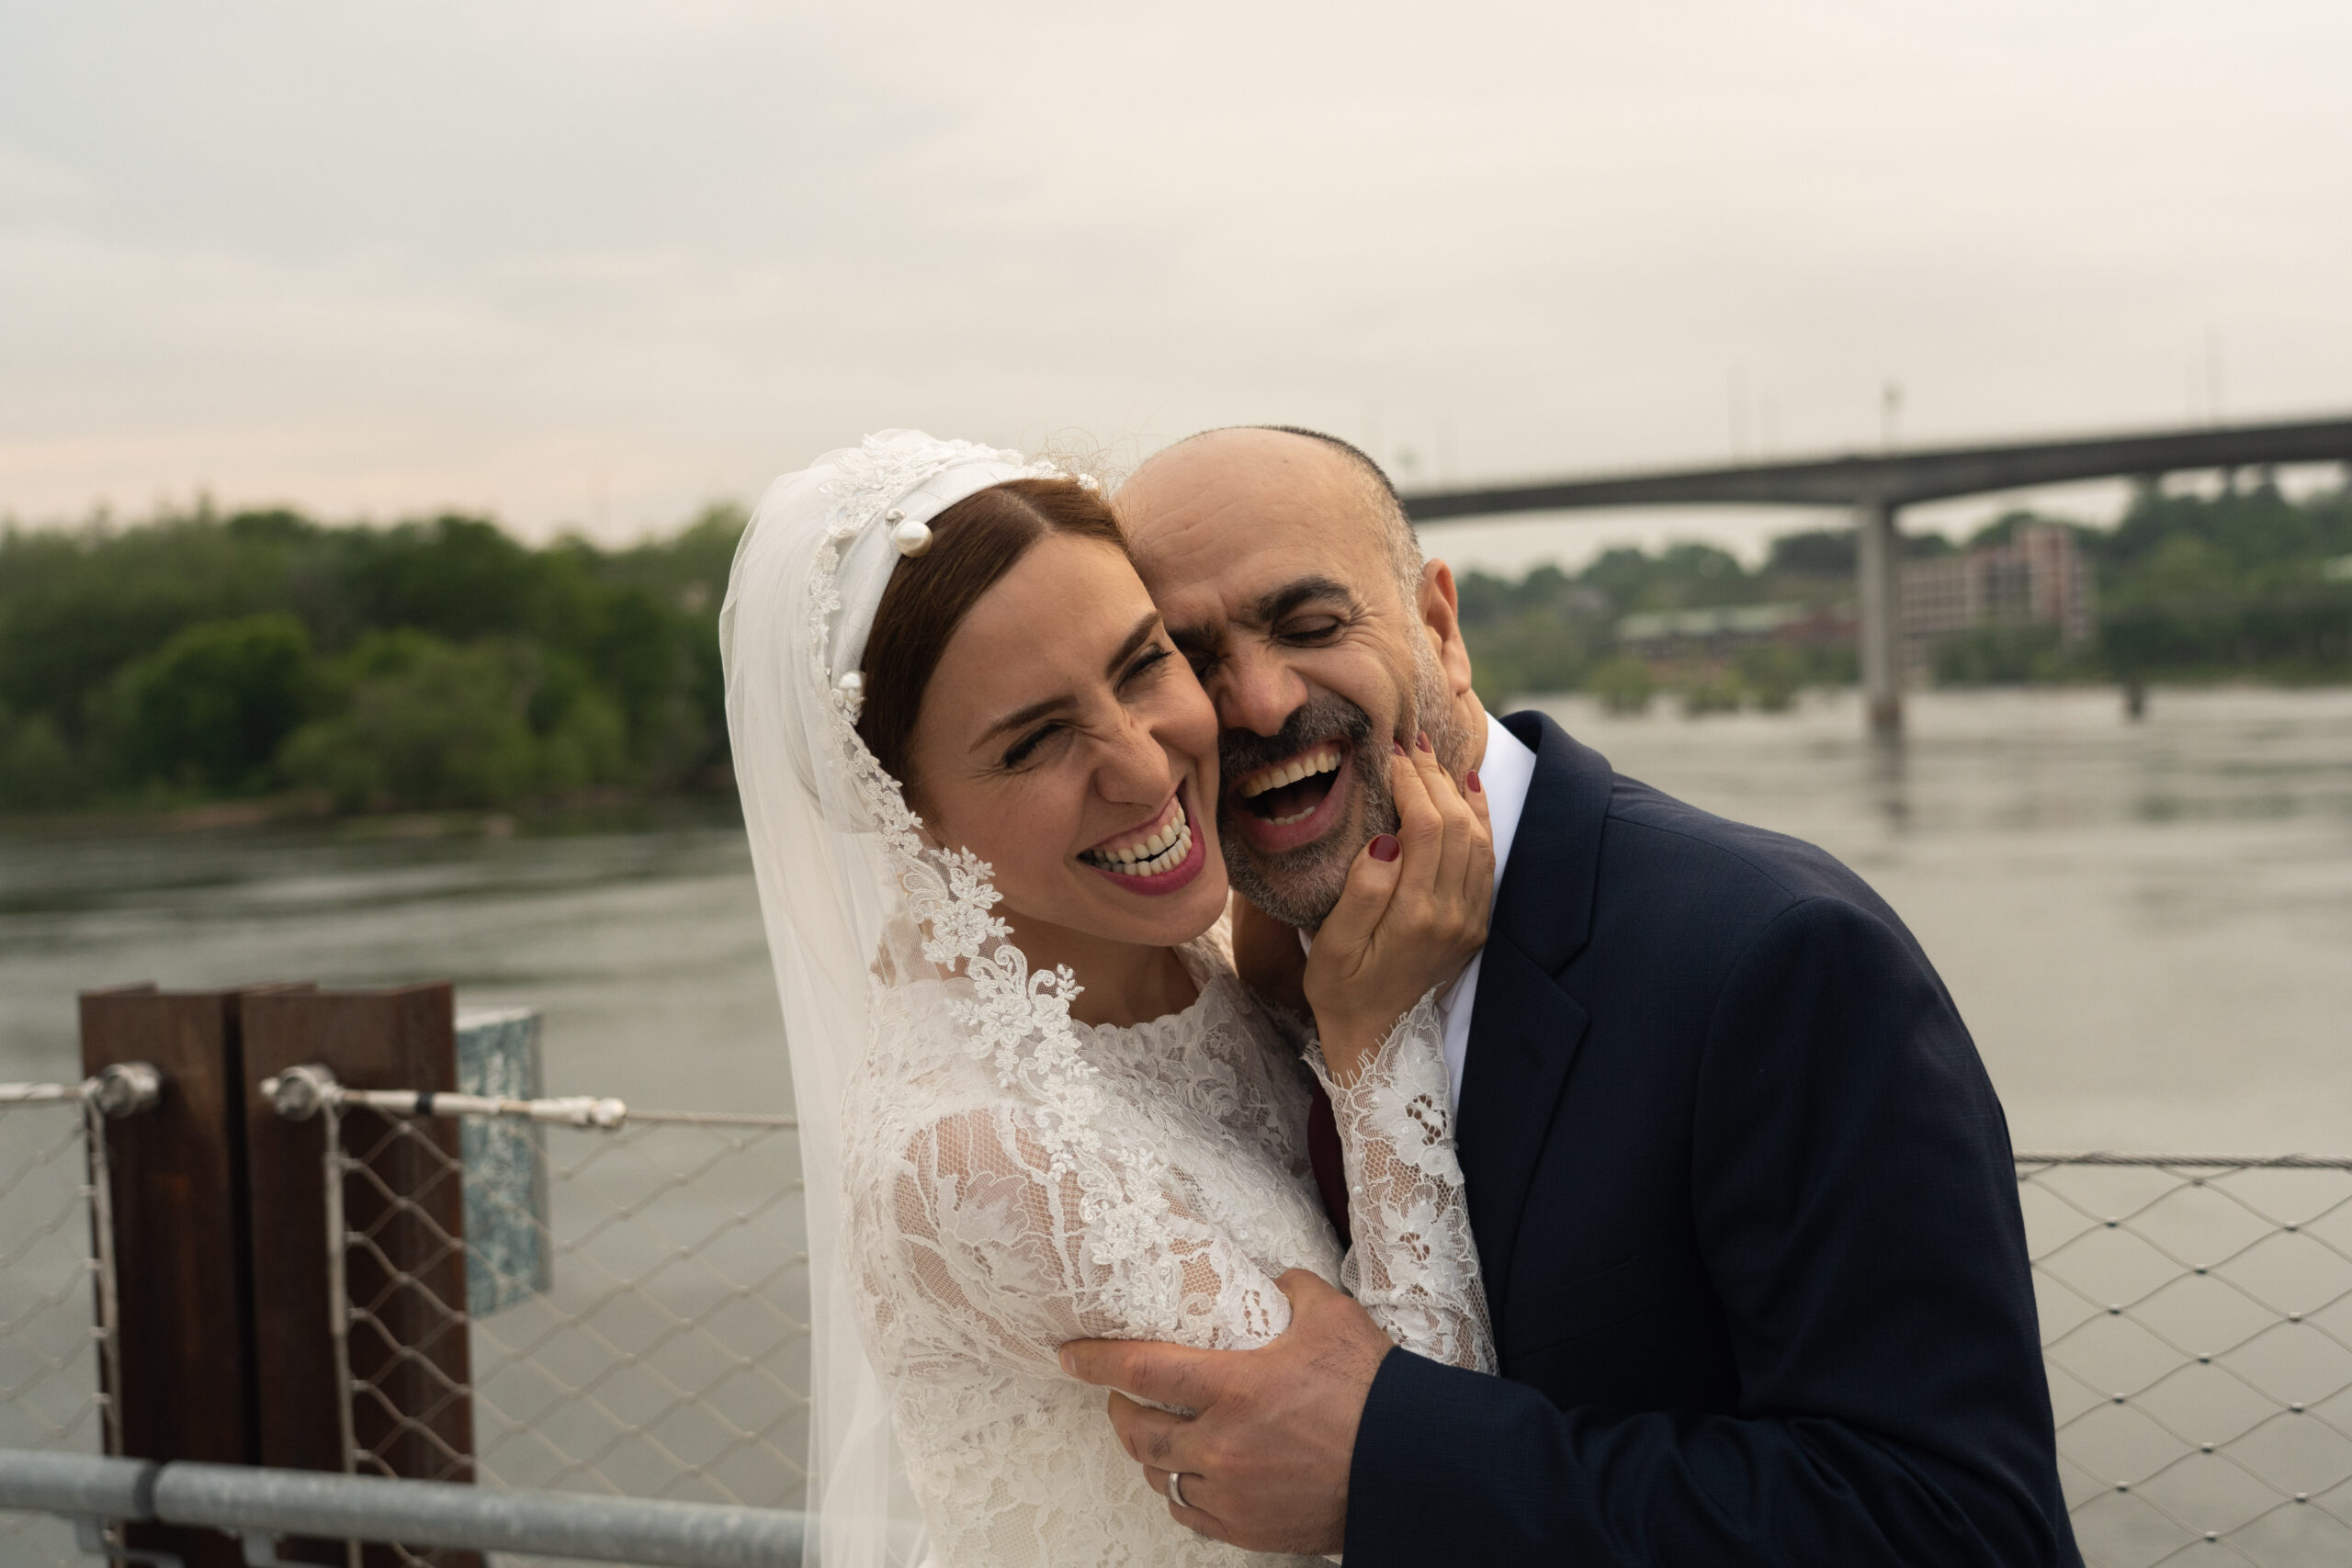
973	543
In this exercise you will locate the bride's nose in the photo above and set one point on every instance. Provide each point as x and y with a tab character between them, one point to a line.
1132	768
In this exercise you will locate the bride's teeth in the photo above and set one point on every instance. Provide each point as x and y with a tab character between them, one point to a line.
1171	844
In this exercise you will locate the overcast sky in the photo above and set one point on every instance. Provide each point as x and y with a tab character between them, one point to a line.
589	265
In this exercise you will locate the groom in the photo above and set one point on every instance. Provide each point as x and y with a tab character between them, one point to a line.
1743	1196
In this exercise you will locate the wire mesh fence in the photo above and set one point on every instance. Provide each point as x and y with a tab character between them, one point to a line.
624	1311
50	1341
2197	1325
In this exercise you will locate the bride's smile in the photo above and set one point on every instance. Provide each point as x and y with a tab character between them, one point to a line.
1162	856
1063	740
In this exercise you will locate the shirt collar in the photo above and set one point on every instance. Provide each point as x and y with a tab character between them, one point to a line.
1506	773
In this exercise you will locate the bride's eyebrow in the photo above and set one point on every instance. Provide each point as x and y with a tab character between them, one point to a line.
1035	711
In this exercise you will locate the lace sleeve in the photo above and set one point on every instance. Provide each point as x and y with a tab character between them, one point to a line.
1413	1265
1007	1258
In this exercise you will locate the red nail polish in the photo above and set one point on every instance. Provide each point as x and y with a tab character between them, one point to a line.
1423	740
1471	778
1398	746
1385	847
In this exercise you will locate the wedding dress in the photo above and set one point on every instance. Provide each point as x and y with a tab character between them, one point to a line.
987	1177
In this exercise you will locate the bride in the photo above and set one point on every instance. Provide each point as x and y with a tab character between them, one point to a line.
1036	1104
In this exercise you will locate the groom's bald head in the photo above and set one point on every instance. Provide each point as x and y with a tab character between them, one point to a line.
1287	572
1344	477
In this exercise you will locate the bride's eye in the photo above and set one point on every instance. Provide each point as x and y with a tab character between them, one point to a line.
1026	747
1147	663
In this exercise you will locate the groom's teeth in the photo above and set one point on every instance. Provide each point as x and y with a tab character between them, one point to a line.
1322	761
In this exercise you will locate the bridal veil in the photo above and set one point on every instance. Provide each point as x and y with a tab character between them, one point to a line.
862	915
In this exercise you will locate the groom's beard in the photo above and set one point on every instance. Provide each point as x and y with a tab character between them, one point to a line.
1300	887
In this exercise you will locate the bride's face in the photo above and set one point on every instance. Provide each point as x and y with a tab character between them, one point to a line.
1063	740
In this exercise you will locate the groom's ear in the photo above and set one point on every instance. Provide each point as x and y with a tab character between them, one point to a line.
1440	616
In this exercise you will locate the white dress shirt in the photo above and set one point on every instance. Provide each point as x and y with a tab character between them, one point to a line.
1505	774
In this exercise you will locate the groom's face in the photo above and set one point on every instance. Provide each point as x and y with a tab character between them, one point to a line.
1267	556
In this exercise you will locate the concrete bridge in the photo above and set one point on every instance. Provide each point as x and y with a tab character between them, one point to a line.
1874	490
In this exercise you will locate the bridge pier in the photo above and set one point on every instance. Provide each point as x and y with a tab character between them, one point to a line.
1877	564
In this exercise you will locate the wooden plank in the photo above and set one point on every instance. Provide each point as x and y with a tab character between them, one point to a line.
410	1275
185	1328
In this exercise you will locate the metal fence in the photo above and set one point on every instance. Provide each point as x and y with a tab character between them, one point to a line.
632	1285
261	1507
634	1290
2197	1324
57	1279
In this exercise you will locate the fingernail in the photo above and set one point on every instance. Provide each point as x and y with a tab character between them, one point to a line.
1069	1363
1385	847
1471	778
1397	745
1423	740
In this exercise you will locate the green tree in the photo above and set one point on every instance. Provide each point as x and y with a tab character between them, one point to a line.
77	607
37	769
207	710
1772	675
424	724
1624	686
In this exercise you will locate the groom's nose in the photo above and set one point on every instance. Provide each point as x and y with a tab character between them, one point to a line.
1255	690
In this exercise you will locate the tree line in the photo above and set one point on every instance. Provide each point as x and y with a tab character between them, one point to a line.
2247	584
438	663
442	664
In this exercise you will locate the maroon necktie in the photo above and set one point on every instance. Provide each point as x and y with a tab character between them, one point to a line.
1330	1169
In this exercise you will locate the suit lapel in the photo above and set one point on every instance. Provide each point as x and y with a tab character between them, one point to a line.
1524	1029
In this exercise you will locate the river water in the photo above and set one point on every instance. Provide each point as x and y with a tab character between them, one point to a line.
2147	926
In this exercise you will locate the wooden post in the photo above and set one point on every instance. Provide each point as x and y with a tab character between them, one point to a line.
185	1319
401	1038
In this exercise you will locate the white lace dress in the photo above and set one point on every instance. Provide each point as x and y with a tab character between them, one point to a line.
999	1206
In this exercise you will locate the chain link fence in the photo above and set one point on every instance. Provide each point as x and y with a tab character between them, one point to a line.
2197	1324
632	1296
55	1293
629	1290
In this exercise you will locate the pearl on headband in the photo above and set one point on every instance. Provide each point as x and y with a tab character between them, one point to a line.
912	538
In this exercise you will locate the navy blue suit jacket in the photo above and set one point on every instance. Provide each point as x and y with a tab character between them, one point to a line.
1748	1220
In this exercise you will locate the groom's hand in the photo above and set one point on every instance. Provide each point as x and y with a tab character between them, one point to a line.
1265	1461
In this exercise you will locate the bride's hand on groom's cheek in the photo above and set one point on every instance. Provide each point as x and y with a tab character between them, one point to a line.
1264	1460
1413	912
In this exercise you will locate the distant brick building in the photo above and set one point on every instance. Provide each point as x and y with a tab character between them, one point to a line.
2038	579
1669	637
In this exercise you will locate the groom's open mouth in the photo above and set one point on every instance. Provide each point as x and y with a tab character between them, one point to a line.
1293	801
1162	856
